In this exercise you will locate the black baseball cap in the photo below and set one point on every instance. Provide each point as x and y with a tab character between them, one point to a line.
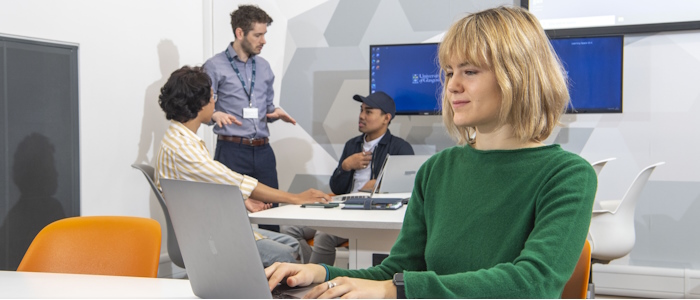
379	100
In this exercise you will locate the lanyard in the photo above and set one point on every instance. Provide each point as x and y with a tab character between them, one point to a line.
371	162
240	77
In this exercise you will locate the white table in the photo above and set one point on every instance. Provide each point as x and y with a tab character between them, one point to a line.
34	285
57	285
368	231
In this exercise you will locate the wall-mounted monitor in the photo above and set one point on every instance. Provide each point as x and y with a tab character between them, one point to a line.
594	69
571	18
410	74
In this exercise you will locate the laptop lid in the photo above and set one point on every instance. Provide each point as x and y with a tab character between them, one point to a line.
380	176
399	173
216	239
378	191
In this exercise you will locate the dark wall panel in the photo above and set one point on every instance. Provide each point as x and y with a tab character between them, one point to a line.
40	181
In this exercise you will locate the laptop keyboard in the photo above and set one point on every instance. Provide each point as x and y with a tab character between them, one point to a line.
354	197
277	294
341	199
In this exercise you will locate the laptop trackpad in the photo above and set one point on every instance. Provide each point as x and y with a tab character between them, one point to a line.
283	291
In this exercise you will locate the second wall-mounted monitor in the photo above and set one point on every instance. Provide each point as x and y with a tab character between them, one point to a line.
602	17
410	74
594	69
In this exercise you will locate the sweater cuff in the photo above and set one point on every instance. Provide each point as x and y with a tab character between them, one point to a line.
328	274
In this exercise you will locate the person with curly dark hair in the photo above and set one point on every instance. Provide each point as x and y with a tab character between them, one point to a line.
243	82
188	101
177	95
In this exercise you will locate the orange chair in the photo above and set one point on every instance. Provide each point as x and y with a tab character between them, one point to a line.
100	245
311	243
577	286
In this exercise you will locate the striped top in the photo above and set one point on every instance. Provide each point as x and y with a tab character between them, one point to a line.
184	156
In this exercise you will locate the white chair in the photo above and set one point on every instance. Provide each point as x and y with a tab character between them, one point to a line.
612	232
598	165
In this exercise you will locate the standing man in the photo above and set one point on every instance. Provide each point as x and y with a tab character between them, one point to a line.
243	82
357	169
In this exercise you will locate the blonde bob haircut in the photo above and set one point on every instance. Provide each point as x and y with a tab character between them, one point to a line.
510	42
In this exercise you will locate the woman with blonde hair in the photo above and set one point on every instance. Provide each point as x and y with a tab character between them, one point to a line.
500	215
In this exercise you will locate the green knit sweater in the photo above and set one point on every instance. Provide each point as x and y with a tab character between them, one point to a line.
492	224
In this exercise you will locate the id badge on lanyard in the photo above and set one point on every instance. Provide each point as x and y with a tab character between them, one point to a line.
249	112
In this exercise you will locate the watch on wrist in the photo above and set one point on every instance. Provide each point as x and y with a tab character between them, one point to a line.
398	282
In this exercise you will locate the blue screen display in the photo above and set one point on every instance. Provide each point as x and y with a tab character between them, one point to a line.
410	74
594	68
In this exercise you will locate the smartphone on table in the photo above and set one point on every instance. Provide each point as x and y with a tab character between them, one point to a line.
322	205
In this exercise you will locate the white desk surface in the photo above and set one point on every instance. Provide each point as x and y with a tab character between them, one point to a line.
330	217
368	231
58	285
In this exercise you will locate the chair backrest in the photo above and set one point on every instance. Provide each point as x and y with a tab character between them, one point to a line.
629	200
598	165
99	245
577	286
612	234
173	246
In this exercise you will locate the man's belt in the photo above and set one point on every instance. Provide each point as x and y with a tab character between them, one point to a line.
244	141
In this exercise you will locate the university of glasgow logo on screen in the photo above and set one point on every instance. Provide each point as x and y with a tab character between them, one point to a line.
415	79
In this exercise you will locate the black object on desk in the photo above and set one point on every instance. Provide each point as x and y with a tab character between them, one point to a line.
374	203
323	205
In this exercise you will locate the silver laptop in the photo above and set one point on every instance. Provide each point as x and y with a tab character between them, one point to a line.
216	240
399	173
374	193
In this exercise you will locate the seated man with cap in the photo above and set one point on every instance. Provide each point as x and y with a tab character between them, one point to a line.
357	169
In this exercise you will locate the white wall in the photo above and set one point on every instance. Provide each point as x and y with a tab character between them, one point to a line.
129	47
126	51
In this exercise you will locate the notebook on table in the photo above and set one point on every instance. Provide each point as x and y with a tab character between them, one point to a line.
374	203
217	242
